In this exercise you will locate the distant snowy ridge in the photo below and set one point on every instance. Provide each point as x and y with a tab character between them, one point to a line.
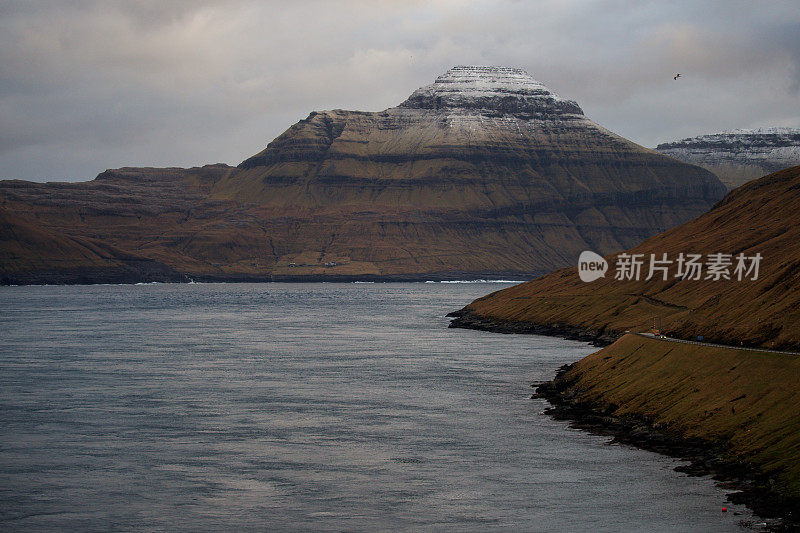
739	155
761	131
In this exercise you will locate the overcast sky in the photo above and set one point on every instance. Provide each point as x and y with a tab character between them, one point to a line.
86	86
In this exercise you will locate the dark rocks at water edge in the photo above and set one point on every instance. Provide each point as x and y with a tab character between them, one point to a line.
467	320
754	488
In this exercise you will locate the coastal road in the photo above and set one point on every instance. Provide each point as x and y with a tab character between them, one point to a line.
699	343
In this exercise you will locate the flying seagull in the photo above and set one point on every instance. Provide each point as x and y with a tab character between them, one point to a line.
676	76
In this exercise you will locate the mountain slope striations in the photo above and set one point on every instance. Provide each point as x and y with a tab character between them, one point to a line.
486	172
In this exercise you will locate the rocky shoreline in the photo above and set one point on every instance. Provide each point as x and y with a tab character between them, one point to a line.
597	337
754	488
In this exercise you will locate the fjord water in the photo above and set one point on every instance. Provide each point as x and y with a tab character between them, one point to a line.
304	407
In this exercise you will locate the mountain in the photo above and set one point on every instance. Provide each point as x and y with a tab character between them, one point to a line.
761	217
486	172
152	217
739	156
33	255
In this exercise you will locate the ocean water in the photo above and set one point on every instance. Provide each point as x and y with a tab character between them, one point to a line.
325	407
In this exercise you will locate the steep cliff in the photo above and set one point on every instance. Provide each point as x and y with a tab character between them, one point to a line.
739	156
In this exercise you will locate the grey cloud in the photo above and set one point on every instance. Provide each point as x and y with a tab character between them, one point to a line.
89	85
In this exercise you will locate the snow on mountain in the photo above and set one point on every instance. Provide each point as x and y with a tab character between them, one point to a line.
739	155
503	90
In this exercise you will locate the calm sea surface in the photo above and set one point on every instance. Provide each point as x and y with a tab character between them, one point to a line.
304	407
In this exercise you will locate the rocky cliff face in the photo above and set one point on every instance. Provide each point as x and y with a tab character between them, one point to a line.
739	156
486	172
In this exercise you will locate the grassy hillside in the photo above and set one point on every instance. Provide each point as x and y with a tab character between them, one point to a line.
746	401
760	217
31	254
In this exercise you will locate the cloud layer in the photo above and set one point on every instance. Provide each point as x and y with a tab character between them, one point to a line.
86	86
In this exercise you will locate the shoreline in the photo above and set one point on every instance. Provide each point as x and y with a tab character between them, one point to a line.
753	487
466	320
117	278
706	458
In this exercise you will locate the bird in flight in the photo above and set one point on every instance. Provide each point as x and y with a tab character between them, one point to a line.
676	76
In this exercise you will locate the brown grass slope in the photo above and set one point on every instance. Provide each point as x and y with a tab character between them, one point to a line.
762	216
31	254
744	401
162	214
